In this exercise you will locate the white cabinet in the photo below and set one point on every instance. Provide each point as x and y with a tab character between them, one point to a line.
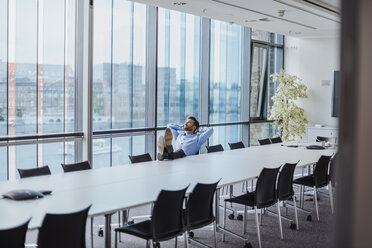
312	132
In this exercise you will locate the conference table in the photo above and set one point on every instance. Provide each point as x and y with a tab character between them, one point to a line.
117	188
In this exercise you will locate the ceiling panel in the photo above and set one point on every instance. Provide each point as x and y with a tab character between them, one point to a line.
302	18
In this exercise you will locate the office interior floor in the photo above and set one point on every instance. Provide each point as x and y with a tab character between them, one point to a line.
311	234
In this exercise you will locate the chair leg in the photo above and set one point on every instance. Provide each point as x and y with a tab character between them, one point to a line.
116	239
295	210
280	220
245	220
258	227
261	216
331	196
316	203
120	224
91	232
224	221
215	233
186	237
151	243
302	195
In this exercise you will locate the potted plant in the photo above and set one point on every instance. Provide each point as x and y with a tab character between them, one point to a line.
288	117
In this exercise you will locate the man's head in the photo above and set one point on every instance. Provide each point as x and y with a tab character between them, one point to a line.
191	125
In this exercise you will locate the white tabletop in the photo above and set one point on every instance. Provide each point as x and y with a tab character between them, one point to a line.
121	187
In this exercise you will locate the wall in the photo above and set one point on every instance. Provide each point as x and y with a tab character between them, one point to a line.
314	60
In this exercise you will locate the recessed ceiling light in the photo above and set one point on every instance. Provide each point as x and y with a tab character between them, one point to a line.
250	20
264	19
179	3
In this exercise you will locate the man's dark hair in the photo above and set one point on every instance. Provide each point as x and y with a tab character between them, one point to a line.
196	122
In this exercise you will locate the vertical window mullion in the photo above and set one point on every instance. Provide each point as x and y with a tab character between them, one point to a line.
131	74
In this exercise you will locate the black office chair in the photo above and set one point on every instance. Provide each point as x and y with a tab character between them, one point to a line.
285	190
140	158
264	142
216	148
14	237
276	140
332	164
264	196
199	209
41	171
317	180
85	165
63	230
166	222
237	145
325	139
76	166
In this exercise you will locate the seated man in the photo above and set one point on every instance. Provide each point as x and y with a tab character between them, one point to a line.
185	144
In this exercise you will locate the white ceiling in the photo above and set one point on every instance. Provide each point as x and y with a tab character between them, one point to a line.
302	18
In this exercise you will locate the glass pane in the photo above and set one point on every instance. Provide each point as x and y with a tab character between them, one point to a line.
25	68
3	164
258	82
226	134
51	78
138	145
102	65
259	131
129	65
261	35
107	154
3	69
120	150
225	73
178	66
53	156
70	152
101	153
26	157
275	65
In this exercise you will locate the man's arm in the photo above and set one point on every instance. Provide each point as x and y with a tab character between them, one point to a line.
174	129
204	134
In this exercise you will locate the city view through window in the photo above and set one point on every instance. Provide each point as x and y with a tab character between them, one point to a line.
38	86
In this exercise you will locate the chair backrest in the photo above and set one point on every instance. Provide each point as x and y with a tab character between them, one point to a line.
14	237
264	142
216	148
41	171
326	139
321	171
63	230
236	145
167	214
199	207
276	140
76	166
284	187
266	188
140	158
332	164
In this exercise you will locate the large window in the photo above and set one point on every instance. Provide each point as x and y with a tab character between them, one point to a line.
178	66
225	81
37	79
151	66
267	59
119	79
225	72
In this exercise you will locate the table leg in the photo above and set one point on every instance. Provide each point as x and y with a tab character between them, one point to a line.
108	230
